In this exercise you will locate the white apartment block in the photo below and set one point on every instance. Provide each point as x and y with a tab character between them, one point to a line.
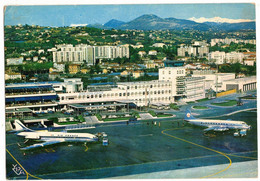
200	51
9	76
85	53
77	54
217	57
234	57
14	61
222	57
213	42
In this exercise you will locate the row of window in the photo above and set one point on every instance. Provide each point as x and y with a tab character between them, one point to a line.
151	86
178	72
154	99
118	94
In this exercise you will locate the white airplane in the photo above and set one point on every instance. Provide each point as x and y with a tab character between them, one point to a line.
49	137
216	125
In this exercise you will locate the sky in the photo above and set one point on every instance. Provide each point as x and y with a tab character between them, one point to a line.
66	15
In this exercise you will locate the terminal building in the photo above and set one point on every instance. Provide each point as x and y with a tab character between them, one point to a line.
174	85
30	98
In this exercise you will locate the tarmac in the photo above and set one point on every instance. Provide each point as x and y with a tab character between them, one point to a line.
237	170
143	150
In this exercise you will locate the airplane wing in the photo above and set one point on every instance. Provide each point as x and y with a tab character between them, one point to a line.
41	144
217	128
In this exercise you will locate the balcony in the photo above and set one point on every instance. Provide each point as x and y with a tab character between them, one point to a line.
29	104
28	93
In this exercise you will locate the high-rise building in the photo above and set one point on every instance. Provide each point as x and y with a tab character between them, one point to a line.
88	54
198	48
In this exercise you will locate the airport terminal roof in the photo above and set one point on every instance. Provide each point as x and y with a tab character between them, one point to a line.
106	83
31	98
19	87
18	110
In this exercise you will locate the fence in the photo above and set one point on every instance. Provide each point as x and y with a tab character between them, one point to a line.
226	93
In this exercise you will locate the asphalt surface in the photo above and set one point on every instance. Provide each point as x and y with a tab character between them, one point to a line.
142	149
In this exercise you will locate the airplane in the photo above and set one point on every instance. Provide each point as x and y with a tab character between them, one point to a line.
216	125
51	137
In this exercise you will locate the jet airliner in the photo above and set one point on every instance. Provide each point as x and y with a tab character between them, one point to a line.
216	125
49	137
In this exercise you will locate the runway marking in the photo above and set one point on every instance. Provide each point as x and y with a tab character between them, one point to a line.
86	148
221	153
27	173
181	159
242	156
146	135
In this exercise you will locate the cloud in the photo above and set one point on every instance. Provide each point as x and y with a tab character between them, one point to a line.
75	25
219	20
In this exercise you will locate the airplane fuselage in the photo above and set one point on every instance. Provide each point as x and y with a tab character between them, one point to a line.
219	123
46	136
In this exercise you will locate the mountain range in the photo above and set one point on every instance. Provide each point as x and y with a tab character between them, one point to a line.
153	22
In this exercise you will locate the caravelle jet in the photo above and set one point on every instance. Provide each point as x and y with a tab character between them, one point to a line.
49	137
216	125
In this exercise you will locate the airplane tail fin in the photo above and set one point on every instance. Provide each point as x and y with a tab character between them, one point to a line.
188	115
19	126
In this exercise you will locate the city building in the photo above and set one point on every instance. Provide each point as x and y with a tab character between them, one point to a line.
74	68
54	75
161	45
14	61
241	84
215	41
217	57
152	52
13	75
214	81
83	53
222	57
193	51
60	67
142	53
234	57
138	73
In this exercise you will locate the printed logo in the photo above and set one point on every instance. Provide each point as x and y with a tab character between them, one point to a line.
18	170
